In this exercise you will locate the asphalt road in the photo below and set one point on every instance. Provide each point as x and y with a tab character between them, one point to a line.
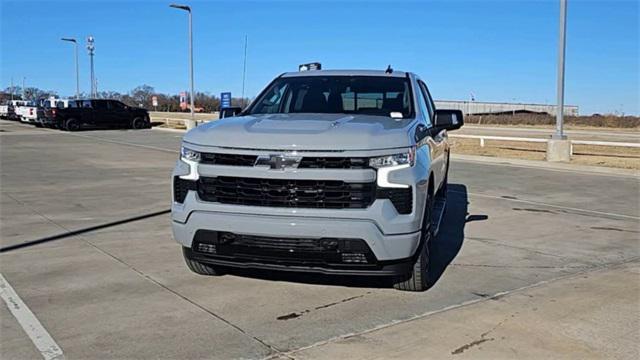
123	291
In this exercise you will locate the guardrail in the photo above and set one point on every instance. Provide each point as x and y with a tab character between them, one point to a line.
483	138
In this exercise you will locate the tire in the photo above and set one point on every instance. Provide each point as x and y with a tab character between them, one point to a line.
139	123
72	125
418	278
202	269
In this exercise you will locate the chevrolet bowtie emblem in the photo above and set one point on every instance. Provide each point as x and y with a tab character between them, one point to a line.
278	161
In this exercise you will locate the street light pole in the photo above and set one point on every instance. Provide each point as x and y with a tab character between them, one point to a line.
75	43
190	123
561	52
244	68
24	93
559	147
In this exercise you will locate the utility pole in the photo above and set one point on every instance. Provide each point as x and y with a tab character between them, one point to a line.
559	147
244	68
24	93
192	122
12	89
91	48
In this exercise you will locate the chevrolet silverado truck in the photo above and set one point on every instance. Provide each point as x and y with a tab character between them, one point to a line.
96	113
334	172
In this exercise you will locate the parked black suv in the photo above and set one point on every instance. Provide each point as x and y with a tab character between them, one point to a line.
99	113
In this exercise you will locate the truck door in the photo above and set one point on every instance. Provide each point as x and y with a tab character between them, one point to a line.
84	111
121	116
437	142
102	115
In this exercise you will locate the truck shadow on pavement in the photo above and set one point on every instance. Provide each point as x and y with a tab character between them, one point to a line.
444	249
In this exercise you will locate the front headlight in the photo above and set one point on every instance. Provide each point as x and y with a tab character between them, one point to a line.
189	154
408	157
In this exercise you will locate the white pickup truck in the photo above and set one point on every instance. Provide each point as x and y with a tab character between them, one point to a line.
8	111
28	112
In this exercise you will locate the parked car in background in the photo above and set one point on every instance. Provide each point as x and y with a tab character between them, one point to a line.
10	110
28	112
96	113
47	105
7	112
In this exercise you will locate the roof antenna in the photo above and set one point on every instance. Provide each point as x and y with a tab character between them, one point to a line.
389	69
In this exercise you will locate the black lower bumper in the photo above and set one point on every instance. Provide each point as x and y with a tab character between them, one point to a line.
380	268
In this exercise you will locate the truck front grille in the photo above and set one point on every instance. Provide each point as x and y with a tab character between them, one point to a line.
307	162
228	159
286	193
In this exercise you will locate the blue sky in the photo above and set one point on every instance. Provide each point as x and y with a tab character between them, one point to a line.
497	50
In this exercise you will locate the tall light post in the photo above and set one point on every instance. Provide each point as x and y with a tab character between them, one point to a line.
244	67
91	48
559	147
24	92
75	43
561	52
190	123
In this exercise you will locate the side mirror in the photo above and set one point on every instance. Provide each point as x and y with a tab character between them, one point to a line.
449	119
421	132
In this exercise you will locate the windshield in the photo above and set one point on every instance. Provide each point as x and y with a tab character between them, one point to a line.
370	95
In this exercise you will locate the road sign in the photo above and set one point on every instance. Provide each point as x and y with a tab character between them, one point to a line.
183	100
225	100
154	100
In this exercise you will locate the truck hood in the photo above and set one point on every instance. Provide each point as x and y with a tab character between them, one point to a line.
304	132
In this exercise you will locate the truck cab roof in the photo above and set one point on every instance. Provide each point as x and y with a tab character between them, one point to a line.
382	73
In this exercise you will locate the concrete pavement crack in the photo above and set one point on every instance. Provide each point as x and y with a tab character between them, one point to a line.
457	306
483	338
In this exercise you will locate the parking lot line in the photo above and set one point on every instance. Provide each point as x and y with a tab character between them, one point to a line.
555	206
29	323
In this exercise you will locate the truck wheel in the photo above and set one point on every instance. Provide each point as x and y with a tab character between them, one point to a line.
417	279
202	269
138	123
72	125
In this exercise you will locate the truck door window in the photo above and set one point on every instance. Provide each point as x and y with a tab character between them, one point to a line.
272	101
99	105
425	104
116	105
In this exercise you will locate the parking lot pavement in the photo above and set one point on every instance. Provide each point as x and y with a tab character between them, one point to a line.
124	292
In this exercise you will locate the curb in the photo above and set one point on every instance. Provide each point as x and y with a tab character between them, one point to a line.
548	165
169	130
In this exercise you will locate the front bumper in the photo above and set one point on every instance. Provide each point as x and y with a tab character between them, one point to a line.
384	247
392	238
